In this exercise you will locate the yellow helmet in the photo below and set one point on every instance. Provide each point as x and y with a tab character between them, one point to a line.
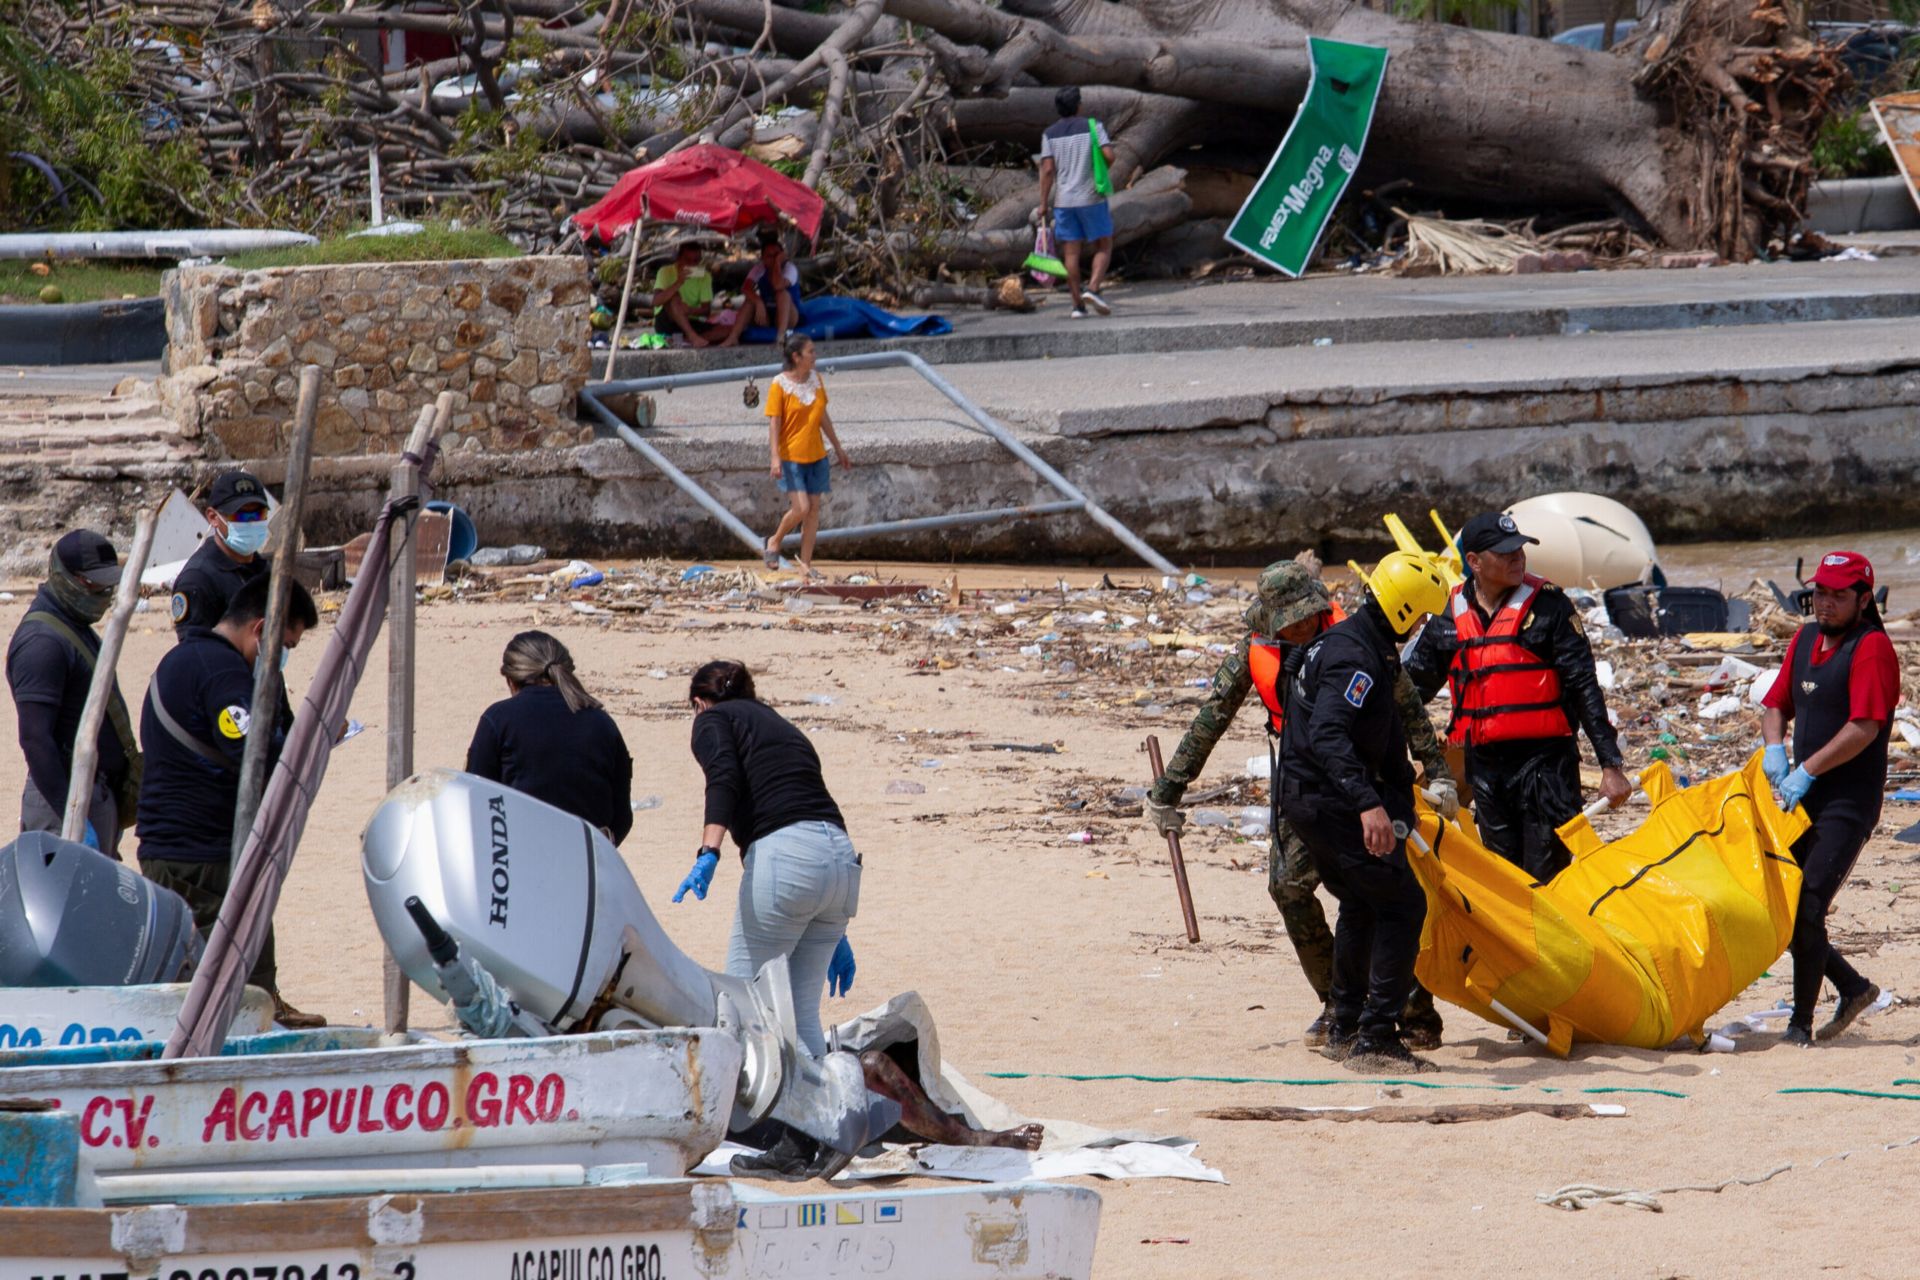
1408	584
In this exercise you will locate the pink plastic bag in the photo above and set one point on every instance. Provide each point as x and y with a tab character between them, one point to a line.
1043	244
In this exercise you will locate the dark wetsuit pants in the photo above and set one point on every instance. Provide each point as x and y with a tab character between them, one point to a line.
1382	907
1522	790
1826	854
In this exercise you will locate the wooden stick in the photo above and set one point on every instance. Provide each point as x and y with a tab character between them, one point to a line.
405	479
626	293
86	740
1173	850
266	666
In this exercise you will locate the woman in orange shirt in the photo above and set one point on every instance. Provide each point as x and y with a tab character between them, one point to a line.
798	432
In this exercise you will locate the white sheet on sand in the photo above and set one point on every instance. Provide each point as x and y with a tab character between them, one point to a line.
1069	1149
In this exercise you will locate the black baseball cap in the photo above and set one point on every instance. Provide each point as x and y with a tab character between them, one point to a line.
88	555
1492	531
234	490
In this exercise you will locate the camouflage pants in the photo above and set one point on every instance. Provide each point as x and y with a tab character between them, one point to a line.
1292	882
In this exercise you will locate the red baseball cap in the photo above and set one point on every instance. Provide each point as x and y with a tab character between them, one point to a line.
1842	569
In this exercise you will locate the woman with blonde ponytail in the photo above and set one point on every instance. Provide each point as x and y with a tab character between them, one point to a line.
552	740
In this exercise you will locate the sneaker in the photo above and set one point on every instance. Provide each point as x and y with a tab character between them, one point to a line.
1097	302
1798	1036
1317	1030
1850	1008
1421	1037
1078	313
1339	1043
1372	1054
292	1019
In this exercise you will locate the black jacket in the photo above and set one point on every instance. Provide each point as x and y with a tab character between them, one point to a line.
1551	630
208	584
187	802
573	760
50	681
1344	746
762	772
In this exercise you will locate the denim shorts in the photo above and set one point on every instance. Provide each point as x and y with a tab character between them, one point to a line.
1088	222
806	477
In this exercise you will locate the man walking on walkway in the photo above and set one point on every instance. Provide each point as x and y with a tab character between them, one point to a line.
1069	189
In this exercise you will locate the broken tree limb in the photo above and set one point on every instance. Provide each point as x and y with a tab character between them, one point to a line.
100	691
1151	205
829	114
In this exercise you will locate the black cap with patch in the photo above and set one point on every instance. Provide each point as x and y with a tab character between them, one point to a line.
88	555
1492	531
234	490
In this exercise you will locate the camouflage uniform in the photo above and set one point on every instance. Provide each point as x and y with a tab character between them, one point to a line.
1289	593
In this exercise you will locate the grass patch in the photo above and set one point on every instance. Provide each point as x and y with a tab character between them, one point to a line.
437	243
78	280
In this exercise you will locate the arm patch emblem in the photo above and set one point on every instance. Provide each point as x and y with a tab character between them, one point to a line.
1358	687
179	608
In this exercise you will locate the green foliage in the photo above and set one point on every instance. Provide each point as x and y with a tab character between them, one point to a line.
79	281
437	243
1849	145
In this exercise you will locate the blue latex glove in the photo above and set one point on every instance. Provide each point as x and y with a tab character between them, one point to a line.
1795	788
1773	762
92	837
840	969
700	879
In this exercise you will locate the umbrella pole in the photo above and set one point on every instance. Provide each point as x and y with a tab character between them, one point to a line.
626	293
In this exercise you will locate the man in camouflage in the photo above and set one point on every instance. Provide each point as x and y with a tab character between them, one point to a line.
1292	606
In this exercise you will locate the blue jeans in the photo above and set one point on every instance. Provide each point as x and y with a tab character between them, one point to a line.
800	886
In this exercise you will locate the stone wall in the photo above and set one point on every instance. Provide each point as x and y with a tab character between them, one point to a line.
506	335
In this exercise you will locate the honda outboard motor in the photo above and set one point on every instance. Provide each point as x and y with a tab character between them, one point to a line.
71	916
541	899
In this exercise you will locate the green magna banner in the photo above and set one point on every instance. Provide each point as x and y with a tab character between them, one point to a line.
1282	220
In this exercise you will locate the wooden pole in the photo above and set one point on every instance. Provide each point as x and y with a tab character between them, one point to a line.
1173	850
86	740
626	293
405	479
266	665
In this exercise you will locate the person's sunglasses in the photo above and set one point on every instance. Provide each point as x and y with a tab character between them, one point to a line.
249	517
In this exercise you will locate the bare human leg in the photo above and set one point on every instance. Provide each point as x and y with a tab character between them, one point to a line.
1070	256
789	521
920	1117
1102	258
809	529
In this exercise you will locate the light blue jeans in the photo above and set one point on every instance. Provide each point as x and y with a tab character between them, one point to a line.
800	886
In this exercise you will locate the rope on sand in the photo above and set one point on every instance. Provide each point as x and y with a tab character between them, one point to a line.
1582	1195
1857	1093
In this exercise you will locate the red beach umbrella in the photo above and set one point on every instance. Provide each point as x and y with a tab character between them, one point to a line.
703	186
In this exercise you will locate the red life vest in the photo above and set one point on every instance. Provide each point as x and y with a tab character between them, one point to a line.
1264	664
1502	691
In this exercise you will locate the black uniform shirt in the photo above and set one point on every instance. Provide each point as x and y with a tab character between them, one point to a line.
186	802
573	760
50	682
1344	745
209	582
762	773
1552	632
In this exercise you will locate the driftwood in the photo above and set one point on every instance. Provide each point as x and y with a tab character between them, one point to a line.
1693	134
1443	1113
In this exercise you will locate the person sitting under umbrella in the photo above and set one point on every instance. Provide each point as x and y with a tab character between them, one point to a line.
772	296
683	297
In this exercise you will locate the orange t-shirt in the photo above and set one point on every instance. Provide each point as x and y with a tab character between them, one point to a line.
798	407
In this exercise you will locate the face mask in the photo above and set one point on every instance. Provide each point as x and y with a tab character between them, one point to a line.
245	539
88	606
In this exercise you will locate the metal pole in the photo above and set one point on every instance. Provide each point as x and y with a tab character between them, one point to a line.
922	523
86	740
840	364
266	664
402	584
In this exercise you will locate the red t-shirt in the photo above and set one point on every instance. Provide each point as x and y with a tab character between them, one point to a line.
1873	685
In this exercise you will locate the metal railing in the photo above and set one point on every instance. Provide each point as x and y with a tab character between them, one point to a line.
1073	499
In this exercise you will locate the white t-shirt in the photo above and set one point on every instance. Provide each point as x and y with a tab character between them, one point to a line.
1071	148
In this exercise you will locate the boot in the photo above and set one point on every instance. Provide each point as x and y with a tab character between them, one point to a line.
1316	1034
1848	1009
1340	1042
1377	1053
791	1159
292	1019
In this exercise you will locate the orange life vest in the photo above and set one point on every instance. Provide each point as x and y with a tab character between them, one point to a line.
1502	691
1264	663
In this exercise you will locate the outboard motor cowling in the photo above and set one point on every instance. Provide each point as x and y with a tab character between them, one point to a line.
71	916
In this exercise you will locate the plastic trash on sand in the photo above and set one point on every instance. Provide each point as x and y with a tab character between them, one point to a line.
1639	940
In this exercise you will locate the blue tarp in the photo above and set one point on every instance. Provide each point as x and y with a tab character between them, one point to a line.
831	316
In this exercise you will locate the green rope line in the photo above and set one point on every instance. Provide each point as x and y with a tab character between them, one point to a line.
1861	1093
1665	1093
1127	1075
